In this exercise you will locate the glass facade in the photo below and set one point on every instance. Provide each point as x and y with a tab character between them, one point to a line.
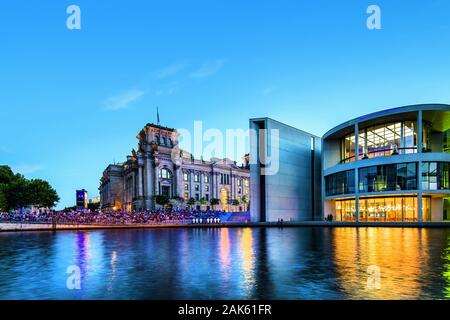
392	177
345	210
435	175
381	140
383	209
446	141
340	183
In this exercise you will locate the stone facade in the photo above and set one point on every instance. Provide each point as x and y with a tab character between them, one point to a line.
160	167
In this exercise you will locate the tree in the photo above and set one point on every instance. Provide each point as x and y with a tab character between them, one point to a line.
41	194
214	201
191	201
18	192
3	201
6	175
202	201
235	202
161	200
94	206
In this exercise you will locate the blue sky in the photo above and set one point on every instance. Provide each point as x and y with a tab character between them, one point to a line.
73	101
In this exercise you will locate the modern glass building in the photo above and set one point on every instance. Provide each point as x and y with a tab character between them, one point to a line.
389	166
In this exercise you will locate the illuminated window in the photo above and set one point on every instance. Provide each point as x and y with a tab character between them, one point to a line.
381	140
186	186
186	196
196	177
185	176
164	174
206	178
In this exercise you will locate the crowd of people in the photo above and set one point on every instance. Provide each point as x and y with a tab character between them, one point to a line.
113	217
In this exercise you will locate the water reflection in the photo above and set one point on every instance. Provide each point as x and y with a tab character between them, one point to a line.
275	263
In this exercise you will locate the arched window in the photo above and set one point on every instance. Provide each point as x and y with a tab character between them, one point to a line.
156	140
164	174
169	142
163	141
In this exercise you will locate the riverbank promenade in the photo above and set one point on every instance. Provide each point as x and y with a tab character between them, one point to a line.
42	226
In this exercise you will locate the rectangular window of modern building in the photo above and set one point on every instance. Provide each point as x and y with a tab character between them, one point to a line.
392	177
340	183
435	175
196	177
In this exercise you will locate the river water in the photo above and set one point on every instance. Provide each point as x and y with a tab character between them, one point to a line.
227	263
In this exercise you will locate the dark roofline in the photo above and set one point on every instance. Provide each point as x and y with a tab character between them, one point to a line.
159	127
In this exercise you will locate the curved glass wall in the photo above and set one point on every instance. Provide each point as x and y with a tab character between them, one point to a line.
383	209
435	176
340	183
392	177
381	140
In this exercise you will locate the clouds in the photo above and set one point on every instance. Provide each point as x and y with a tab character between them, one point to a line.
207	69
170	70
123	100
165	81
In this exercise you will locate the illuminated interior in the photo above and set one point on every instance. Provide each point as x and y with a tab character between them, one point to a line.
383	209
381	140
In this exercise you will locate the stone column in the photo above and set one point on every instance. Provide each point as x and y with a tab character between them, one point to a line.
202	177
156	178
191	183
140	182
140	203
180	183
149	193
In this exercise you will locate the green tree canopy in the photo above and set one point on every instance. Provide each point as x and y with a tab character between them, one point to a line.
235	202
16	191
162	200
191	201
41	193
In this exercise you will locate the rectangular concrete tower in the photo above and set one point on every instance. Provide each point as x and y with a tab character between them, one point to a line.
285	172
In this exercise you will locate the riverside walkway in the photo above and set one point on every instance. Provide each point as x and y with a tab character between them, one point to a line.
30	226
